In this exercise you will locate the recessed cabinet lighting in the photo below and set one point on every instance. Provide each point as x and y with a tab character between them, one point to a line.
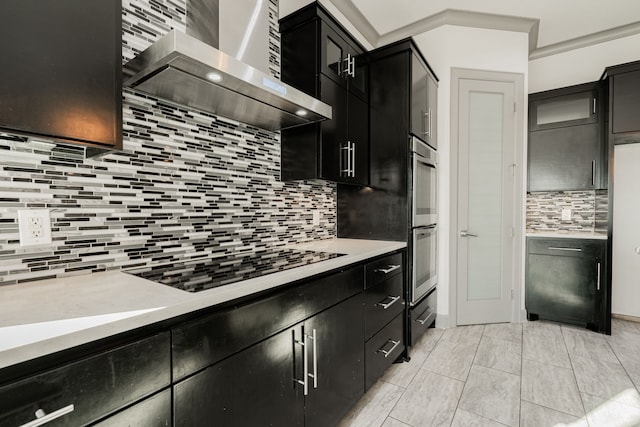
301	113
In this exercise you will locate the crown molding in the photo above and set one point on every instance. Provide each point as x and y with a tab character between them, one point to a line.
585	41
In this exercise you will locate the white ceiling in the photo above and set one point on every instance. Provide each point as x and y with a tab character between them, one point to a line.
550	23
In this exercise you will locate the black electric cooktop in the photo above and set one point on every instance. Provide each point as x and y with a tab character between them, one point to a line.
196	276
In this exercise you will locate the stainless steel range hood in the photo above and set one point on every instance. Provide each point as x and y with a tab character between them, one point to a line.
189	70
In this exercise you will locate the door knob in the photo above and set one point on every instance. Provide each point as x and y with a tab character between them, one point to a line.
465	233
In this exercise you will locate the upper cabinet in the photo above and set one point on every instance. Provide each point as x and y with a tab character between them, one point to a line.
566	140
320	58
62	71
554	109
624	90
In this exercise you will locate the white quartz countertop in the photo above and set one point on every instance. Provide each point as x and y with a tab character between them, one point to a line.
43	317
568	234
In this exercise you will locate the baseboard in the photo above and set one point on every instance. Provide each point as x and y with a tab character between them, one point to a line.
443	321
625	317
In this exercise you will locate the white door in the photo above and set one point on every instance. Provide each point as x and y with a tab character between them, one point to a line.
625	287
486	191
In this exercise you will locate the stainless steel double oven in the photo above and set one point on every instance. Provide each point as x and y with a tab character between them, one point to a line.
424	235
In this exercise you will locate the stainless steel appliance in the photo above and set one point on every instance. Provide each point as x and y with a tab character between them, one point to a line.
423	239
425	261
424	184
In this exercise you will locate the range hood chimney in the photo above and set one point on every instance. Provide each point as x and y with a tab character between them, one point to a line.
221	66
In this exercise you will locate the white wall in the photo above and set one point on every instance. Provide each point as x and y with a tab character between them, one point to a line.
581	65
450	47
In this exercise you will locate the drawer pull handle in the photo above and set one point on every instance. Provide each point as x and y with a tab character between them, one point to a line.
424	319
390	303
387	270
598	282
557	248
388	352
43	418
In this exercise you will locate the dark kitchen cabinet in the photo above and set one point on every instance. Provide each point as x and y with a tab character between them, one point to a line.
320	58
385	311
92	388
624	92
567	149
62	71
250	380
566	281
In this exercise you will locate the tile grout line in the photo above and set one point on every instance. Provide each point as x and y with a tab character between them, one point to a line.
575	379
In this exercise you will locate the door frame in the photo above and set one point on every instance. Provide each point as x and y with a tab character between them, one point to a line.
517	303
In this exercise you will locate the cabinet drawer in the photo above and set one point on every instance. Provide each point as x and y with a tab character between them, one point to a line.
384	268
154	411
423	315
566	247
382	303
96	386
207	340
383	348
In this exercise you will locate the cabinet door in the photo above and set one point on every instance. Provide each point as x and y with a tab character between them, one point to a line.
334	51
254	387
335	132
565	280
419	99
359	81
358	134
564	110
626	102
566	158
339	354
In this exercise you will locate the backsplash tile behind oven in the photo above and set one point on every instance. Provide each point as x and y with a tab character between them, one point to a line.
187	185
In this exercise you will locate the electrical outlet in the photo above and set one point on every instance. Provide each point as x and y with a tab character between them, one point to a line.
316	217
566	214
34	226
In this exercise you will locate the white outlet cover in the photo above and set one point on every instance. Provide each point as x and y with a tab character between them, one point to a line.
566	214
34	226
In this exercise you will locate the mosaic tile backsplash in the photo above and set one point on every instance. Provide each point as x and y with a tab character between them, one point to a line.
188	185
589	211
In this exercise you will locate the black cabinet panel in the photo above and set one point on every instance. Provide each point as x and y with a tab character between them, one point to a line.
154	411
625	114
553	109
423	315
254	387
382	303
565	281
340	362
96	386
385	347
322	59
62	70
567	158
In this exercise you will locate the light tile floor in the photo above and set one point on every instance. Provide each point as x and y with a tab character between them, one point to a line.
535	374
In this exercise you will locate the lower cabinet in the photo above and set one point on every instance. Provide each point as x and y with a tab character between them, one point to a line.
93	388
565	281
310	374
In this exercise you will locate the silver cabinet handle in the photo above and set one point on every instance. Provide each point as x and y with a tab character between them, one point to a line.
352	66
558	248
598	282
345	68
465	233
305	363
345	153
390	303
425	318
387	270
388	352
593	173
43	418
315	360
353	160
594	105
